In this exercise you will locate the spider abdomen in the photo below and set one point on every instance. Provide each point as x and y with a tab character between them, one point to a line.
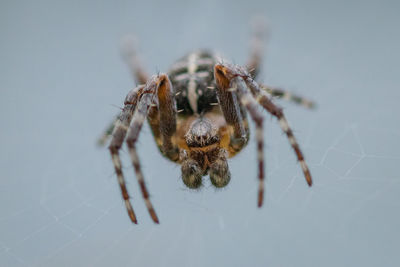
192	78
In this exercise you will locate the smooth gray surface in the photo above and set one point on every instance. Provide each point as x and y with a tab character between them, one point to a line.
61	77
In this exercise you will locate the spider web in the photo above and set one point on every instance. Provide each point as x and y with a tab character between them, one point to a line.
61	204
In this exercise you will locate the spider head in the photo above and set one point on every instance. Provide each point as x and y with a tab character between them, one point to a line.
204	156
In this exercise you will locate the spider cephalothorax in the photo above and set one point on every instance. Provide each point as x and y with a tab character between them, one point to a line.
197	112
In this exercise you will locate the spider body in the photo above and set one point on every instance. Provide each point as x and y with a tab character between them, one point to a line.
197	112
202	134
201	126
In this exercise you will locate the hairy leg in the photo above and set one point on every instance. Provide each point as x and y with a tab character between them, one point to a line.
119	134
233	72
102	140
167	117
130	56
154	84
257	44
230	87
289	96
232	110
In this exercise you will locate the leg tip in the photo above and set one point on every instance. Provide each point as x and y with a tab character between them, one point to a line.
153	216
101	142
155	220
260	200
309	179
312	105
134	220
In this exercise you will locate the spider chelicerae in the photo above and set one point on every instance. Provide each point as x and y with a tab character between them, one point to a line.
197	114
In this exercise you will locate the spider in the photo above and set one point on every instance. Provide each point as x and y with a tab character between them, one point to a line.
197	112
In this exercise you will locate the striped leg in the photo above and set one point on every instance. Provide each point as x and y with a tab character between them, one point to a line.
276	111
133	134
251	105
234	72
237	85
256	46
129	54
277	92
119	134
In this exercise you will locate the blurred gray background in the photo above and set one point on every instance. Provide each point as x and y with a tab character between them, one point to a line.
62	81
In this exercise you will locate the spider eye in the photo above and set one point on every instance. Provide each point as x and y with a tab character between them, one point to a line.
191	174
201	133
219	173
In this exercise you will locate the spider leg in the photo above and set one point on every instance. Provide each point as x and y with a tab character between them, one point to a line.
251	106
130	56
280	93
119	134
167	117
142	110
277	111
162	119
102	140
233	112
256	46
263	99
237	84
